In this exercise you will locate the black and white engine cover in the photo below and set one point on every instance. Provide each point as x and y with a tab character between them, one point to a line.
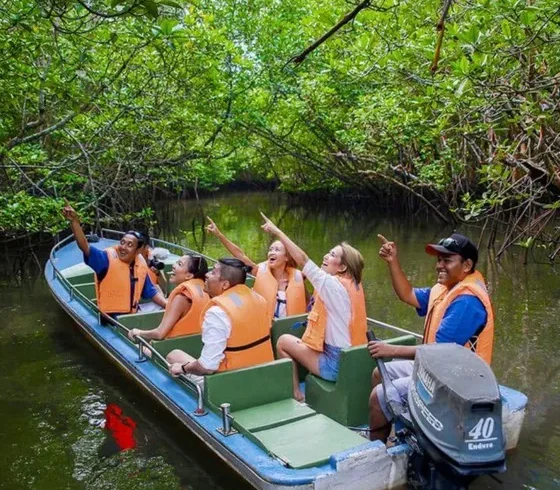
454	401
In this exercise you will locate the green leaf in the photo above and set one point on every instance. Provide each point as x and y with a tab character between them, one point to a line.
461	88
464	65
166	26
506	29
527	243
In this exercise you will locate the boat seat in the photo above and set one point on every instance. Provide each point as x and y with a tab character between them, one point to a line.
309	442
260	397
191	344
271	415
346	399
143	321
87	289
293	325
249	387
79	274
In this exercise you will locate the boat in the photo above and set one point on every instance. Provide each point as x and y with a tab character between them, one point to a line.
248	417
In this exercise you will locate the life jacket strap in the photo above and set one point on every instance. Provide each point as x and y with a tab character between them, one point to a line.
248	346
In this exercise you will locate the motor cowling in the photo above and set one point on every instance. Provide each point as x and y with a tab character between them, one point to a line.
456	411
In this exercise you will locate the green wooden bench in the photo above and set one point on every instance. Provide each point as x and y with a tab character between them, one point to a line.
191	344
262	408
260	397
346	399
308	442
87	289
143	321
250	387
79	274
290	324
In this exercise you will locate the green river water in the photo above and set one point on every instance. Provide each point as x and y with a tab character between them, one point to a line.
55	386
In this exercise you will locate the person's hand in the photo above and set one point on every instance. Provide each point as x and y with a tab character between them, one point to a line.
176	369
377	349
213	228
68	212
388	250
133	332
269	226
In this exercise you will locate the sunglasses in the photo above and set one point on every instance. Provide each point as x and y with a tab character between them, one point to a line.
449	243
135	234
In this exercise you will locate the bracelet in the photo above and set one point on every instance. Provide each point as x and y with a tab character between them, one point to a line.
183	367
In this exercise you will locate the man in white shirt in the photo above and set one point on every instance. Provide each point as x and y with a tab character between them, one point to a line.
227	274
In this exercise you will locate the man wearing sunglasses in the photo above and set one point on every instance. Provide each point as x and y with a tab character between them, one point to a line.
457	310
121	275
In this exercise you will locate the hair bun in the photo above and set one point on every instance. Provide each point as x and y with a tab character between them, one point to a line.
247	268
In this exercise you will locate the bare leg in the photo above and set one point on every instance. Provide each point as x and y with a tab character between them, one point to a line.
379	426
290	347
179	356
375	378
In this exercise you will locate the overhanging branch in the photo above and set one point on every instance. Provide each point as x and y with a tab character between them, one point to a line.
347	18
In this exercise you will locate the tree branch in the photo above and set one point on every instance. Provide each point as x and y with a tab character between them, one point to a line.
441	31
347	18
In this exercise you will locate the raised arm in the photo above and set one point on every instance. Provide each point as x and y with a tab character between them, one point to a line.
296	253
401	285
70	214
232	248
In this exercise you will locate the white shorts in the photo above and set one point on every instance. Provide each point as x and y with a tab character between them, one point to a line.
400	373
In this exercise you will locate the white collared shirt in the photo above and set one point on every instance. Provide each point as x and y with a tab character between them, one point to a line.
337	302
216	330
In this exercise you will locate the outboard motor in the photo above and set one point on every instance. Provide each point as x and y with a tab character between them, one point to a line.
454	424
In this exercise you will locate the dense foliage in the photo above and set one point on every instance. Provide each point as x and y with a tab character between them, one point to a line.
108	101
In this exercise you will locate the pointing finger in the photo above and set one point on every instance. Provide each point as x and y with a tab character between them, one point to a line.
263	216
383	239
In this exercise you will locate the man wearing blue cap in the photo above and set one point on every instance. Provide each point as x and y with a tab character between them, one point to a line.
457	310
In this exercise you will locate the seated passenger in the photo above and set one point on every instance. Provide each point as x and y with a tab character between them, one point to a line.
457	309
154	262
120	279
276	280
235	326
185	303
338	318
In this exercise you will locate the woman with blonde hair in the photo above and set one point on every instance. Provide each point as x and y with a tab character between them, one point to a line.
338	317
277	280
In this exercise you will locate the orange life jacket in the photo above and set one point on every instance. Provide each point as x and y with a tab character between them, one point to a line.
249	343
314	335
267	286
191	323
440	299
113	292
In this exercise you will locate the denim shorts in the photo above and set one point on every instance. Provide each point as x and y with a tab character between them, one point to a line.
329	360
